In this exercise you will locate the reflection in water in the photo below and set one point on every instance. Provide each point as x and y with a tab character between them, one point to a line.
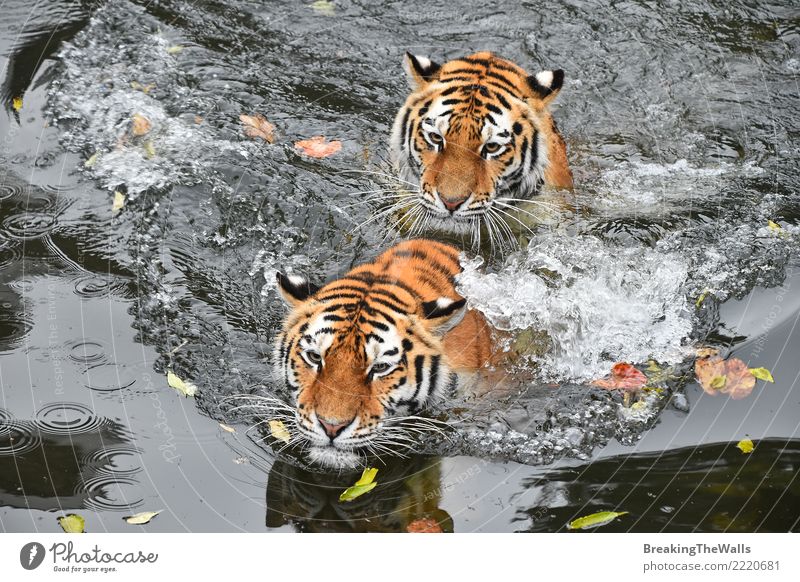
711	488
407	490
68	458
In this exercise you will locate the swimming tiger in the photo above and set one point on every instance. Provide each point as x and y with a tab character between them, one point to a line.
368	350
474	138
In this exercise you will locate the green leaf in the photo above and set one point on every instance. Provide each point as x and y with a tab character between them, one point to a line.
746	446
702	298
364	485
142	518
595	519
72	523
762	374
184	387
718	382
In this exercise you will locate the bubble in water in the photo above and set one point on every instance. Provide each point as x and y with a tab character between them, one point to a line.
68	418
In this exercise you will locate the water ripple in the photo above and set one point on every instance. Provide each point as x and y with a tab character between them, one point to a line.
68	418
29	225
110	492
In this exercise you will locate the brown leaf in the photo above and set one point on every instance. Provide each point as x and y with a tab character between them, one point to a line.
317	147
257	126
623	377
424	525
731	377
140	125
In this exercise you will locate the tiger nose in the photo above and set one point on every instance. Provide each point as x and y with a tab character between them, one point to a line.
334	428
453	204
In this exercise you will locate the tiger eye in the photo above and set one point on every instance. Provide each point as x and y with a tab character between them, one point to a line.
492	148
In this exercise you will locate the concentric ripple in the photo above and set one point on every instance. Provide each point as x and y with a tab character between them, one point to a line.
9	251
17	438
85	351
94	286
109	377
9	191
29	225
120	461
110	492
68	418
5	421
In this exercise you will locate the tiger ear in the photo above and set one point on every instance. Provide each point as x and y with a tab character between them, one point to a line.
295	288
546	84
443	314
420	70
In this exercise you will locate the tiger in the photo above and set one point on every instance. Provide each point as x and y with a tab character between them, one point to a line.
362	353
474	138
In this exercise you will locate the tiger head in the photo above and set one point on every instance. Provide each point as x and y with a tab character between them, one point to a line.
366	351
475	136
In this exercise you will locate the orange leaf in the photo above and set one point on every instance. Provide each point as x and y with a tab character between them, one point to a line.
623	377
317	147
257	126
424	525
140	125
731	377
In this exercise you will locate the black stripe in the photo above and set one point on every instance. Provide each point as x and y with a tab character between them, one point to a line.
494	109
418	362
433	375
374	336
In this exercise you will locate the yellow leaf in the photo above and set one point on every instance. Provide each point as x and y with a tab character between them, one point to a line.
16	103
746	446
278	430
142	518
119	202
72	523
92	160
762	374
257	126
323	7
773	226
175	49
149	149
226	428
184	387
702	298
595	519
364	485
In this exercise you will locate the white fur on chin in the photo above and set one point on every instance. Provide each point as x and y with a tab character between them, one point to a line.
334	458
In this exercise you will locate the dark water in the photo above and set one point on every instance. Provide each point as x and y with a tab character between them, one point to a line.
683	134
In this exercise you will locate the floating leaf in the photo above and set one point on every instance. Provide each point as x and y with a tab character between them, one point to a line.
324	7
762	374
278	430
142	518
623	377
149	150
257	126
424	525
746	446
92	160
701	298
773	226
16	103
595	519
119	202
706	352
226	428
364	485
317	147
731	377
175	49
140	125
184	387
72	523
143	88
